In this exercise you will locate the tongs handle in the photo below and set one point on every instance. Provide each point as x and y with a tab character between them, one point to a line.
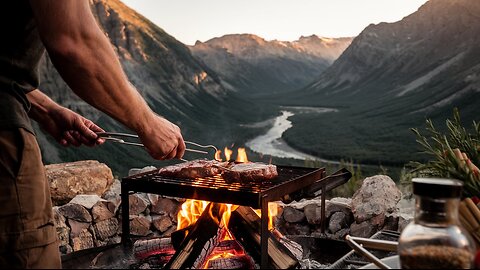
116	137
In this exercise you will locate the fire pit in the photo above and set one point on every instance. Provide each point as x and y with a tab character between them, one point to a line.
215	189
241	239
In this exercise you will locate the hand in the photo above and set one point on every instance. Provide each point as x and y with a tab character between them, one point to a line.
70	128
162	139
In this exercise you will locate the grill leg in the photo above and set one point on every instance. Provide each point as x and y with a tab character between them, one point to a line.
125	216
322	210
264	235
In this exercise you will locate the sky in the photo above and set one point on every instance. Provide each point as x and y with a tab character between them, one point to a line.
286	20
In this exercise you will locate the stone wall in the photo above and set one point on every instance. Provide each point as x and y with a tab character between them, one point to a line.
93	220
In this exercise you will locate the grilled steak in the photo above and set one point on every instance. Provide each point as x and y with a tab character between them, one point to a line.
247	172
193	169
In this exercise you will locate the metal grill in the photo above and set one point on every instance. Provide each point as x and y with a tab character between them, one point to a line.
215	189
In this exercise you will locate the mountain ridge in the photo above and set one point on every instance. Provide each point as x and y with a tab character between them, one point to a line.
257	66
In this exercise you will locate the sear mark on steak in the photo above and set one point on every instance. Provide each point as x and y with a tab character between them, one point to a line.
248	172
193	169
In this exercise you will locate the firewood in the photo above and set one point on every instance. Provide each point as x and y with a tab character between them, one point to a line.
245	227
200	242
148	247
179	235
236	262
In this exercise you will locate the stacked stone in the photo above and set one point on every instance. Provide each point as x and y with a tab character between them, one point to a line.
373	207
94	220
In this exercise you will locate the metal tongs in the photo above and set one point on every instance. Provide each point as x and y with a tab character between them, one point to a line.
121	137
360	244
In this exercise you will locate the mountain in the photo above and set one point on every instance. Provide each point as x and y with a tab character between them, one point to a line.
392	77
256	66
174	83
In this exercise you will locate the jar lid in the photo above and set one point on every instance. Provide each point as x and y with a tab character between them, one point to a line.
437	187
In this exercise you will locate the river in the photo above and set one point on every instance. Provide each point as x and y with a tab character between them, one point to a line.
271	143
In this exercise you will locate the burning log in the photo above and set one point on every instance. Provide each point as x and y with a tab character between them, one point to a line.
237	262
227	246
200	242
179	235
145	248
245	227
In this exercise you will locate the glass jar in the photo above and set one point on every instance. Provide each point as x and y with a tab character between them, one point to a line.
434	238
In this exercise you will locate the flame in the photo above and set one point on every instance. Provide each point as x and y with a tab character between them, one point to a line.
228	153
191	211
218	155
241	155
272	213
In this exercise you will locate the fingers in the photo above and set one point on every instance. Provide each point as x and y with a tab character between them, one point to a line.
180	149
70	139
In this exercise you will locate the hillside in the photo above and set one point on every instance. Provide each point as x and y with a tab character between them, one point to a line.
391	78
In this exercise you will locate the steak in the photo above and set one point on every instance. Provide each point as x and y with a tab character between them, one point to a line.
248	172
193	169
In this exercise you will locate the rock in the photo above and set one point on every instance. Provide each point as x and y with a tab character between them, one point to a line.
340	235
114	191
378	220
82	177
76	212
63	231
337	222
364	229
101	212
313	214
87	201
153	198
77	227
333	207
377	195
139	226
83	241
136	204
114	240
162	223
106	229
293	215
165	206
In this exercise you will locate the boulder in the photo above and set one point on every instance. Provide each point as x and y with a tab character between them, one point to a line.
364	229
337	222
378	195
82	177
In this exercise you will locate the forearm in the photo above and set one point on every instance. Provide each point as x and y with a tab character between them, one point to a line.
87	62
90	67
42	105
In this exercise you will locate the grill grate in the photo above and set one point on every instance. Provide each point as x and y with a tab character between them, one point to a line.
216	189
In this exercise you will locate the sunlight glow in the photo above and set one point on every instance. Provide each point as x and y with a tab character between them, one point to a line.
189	21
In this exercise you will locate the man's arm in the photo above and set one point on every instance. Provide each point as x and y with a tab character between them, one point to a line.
87	62
66	126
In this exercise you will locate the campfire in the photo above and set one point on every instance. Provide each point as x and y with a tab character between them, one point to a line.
222	225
